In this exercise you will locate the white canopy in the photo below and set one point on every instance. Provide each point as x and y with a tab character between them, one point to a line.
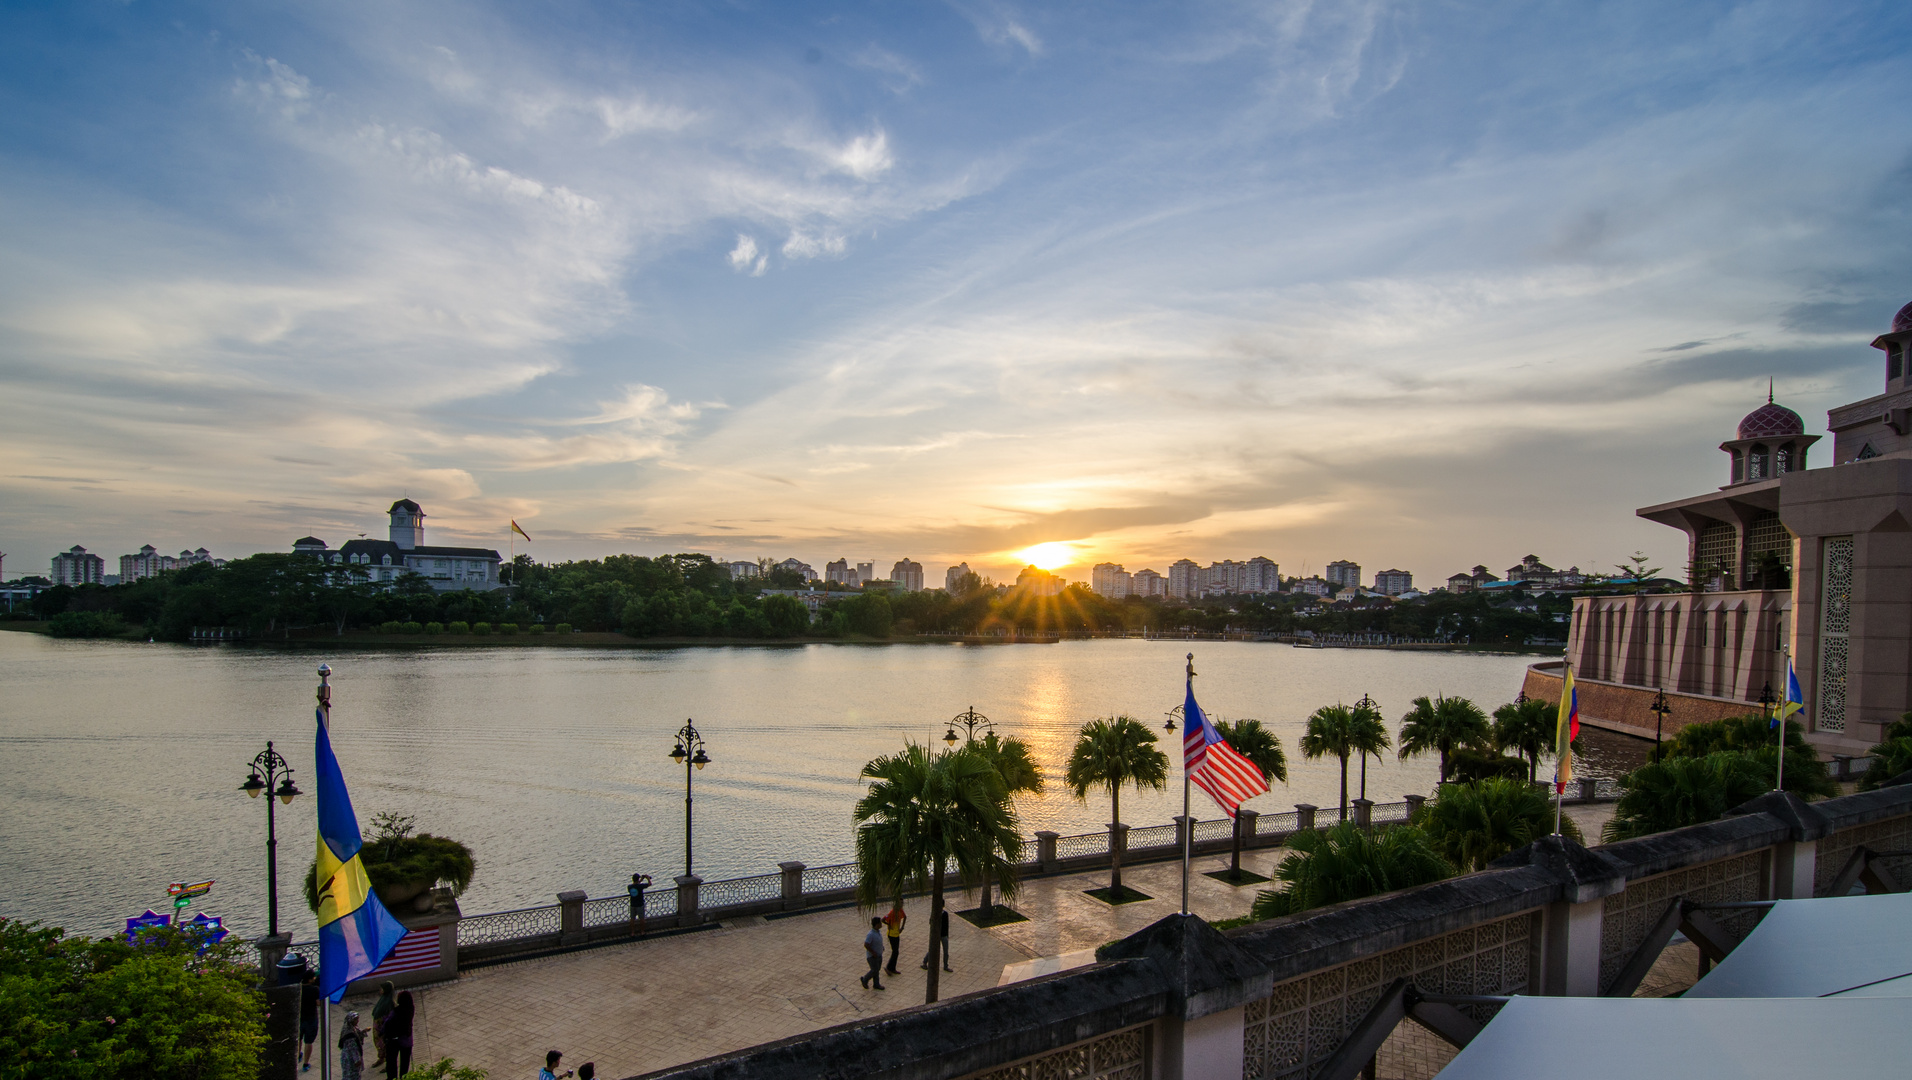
1589	1038
1855	946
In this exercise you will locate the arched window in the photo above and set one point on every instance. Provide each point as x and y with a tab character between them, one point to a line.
1739	466
1782	460
1757	465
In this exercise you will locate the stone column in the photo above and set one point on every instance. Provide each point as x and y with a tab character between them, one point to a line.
1304	815
1046	851
687	899
1571	925
792	884
271	951
1182	826
1245	825
1209	979
1414	804
571	917
1589	787
1209	1046
1364	813
1795	865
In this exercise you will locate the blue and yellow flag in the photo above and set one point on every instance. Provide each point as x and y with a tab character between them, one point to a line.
356	933
1795	701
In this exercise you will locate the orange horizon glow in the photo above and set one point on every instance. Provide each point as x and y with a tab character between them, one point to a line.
1048	556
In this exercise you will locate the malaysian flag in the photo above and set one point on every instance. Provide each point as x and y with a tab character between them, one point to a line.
1211	763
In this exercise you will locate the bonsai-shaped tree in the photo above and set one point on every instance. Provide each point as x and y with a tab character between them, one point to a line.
1890	759
1527	728
1347	862
1017	767
1473	824
1443	724
1262	748
1109	755
1681	791
1331	733
924	814
401	865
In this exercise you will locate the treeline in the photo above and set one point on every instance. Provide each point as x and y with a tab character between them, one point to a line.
691	596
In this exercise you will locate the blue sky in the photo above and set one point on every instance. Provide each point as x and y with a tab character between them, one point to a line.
1420	285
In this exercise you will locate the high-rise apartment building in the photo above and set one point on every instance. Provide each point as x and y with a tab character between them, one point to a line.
1039	581
76	567
839	573
908	575
1147	583
1185	579
865	573
1393	582
1344	573
953	575
148	563
1262	576
1110	580
742	571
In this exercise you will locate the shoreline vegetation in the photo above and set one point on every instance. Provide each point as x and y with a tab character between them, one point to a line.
691	599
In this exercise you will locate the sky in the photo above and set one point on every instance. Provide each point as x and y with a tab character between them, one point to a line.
1420	285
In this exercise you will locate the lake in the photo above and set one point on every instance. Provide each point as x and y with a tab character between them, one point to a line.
120	763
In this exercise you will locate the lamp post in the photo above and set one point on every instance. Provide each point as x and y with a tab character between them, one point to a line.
1366	704
264	769
689	751
1660	710
971	720
1173	715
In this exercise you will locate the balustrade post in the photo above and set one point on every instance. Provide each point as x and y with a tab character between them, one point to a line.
1414	803
1046	851
1364	813
1589	788
1304	816
272	950
687	899
1245	825
571	917
1182	827
792	884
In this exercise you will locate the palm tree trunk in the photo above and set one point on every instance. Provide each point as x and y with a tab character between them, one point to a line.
1344	786
987	903
935	964
1443	764
1115	852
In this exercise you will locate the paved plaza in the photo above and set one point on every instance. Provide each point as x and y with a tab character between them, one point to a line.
645	1005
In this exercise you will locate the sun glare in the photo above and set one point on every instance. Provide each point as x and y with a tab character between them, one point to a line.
1048	556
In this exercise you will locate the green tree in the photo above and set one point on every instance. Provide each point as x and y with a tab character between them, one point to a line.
1347	862
1681	791
926	813
1262	748
1331	733
1016	767
1890	758
74	1007
1110	754
1806	775
1442	724
1637	570
1527	728
1473	824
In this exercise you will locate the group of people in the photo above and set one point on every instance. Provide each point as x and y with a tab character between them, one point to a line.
391	1031
891	926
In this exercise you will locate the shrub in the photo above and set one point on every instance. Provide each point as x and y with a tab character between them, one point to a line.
481	628
458	627
1806	775
1473	824
391	626
79	1007
536	628
564	628
1348	862
86	624
1683	791
395	857
412	628
1470	765
507	628
434	628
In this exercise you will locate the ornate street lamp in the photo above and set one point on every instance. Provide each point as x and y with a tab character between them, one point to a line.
689	752
1173	715
971	720
265	768
1367	704
1660	712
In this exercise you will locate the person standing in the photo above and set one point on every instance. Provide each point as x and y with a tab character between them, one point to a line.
381	1009
639	882
893	926
941	931
351	1049
873	952
550	1070
308	1016
398	1037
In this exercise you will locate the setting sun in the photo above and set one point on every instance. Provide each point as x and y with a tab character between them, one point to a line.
1048	556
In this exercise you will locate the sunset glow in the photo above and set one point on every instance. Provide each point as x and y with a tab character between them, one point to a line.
1048	556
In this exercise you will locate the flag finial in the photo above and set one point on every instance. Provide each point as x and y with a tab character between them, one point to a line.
1191	665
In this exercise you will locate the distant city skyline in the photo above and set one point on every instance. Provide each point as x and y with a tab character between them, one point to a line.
1376	282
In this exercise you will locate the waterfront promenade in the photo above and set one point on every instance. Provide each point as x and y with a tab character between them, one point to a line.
632	1008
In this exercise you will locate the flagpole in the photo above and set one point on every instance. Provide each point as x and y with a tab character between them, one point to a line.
1188	826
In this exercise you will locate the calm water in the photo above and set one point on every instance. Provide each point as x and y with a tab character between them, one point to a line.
119	763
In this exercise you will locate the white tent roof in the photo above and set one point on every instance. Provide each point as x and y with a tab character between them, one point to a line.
1855	946
1587	1038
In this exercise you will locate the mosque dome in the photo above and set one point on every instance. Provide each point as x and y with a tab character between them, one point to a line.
1771	421
1903	320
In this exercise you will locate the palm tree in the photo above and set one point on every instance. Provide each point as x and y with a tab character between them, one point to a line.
1527	728
1347	862
1262	748
1370	736
1443	724
1331	731
1681	791
924	813
1109	754
1473	824
1017	767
